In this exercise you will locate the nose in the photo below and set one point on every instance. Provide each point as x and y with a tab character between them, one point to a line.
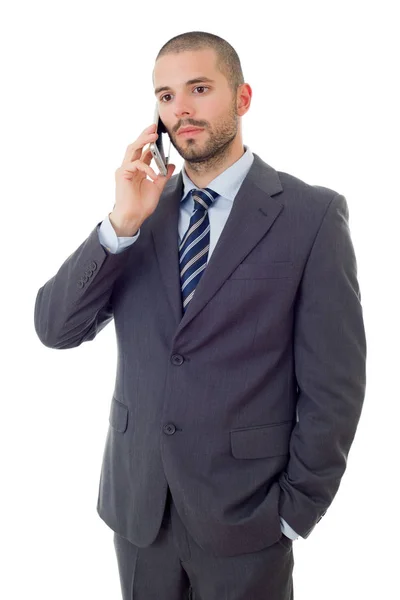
182	109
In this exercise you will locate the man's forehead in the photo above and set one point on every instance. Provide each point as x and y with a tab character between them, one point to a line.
194	64
188	56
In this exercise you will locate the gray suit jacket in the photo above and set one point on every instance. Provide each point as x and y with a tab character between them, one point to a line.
248	404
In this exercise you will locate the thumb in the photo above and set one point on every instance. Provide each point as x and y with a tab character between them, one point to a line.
170	170
161	180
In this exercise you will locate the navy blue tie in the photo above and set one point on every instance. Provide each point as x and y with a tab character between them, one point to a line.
193	249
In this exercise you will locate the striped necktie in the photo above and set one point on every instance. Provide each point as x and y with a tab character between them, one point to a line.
193	249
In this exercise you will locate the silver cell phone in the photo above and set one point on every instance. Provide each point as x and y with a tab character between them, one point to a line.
157	148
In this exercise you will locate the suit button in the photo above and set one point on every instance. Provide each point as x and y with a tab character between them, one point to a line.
177	359
80	284
93	265
169	429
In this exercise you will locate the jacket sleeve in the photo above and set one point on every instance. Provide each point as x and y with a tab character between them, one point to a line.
330	361
76	303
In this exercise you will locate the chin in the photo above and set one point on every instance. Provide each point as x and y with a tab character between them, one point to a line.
191	154
189	150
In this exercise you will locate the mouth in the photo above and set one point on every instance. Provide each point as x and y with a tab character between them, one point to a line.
190	132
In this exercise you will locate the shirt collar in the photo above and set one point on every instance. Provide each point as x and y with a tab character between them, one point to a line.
228	182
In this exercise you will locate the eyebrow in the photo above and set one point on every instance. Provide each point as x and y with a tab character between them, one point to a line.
190	82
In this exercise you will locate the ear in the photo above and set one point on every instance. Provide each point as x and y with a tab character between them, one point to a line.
243	99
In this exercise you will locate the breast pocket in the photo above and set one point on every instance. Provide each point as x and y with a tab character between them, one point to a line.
271	270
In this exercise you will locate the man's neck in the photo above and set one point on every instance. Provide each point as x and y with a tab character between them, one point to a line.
205	173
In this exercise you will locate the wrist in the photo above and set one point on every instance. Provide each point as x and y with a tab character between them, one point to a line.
123	227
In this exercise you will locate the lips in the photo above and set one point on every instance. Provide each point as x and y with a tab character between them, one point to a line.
189	130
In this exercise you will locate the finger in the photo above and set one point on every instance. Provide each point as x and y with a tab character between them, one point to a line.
170	170
147	156
162	180
147	136
150	129
138	165
133	151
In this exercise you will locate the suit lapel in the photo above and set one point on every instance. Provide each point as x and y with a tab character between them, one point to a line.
253	213
165	236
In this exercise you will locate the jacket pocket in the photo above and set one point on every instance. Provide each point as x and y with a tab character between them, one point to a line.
271	270
262	441
118	418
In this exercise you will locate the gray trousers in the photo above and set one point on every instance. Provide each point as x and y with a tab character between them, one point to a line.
174	567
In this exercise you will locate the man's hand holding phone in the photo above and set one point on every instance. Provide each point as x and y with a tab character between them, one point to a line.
137	197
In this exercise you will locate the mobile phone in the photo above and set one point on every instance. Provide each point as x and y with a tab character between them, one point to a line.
157	148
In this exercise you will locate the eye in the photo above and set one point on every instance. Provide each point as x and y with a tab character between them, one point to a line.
201	87
162	97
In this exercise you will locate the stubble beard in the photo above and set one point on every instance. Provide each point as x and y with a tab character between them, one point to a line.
202	156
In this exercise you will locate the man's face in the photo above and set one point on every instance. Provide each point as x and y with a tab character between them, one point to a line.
209	105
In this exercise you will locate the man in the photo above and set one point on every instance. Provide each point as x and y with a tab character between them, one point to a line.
241	346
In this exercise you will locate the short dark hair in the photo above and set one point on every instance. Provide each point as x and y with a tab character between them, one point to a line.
228	62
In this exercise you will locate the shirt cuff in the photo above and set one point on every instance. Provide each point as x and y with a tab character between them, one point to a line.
109	239
287	530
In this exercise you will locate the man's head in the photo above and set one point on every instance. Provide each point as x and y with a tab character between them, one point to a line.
185	98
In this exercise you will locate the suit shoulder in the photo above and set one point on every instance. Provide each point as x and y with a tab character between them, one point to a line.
306	193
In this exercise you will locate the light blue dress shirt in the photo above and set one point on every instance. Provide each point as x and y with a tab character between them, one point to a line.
227	185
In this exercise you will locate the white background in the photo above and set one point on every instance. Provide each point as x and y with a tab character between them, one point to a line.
76	90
